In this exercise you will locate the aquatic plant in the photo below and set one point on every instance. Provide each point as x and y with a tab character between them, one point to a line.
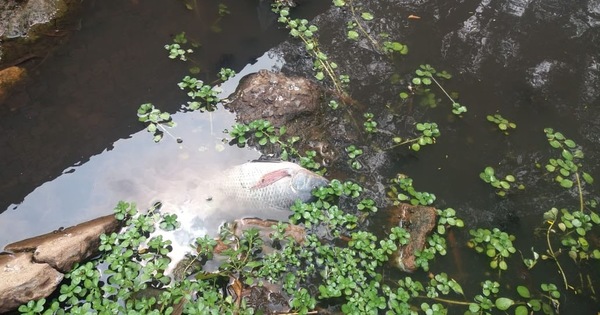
301	29
429	132
496	244
155	119
503	124
502	185
425	76
401	190
353	153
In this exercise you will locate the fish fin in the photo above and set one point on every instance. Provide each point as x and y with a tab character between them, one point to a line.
271	178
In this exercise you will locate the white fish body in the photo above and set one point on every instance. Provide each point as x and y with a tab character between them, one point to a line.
265	190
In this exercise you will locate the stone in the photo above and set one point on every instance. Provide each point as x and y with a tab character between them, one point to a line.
61	249
24	280
275	97
419	221
9	78
296	103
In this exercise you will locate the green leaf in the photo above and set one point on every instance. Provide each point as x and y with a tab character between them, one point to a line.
366	16
503	265
523	292
320	76
416	81
352	35
415	147
595	217
521	310
504	303
566	183
570	143
588	178
567	155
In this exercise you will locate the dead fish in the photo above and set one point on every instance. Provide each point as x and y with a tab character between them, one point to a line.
263	189
268	185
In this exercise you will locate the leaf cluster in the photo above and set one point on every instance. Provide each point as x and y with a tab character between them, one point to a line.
401	189
503	124
502	185
155	119
496	244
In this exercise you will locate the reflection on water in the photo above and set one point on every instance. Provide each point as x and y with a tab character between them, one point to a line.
138	170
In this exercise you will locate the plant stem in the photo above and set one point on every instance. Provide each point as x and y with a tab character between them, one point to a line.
358	23
553	255
441	88
445	300
580	191
403	143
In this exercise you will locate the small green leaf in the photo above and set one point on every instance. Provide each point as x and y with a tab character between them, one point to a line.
521	310
366	16
504	303
352	35
567	155
523	292
588	178
566	183
555	144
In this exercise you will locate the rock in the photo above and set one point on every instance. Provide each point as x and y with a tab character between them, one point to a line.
275	97
24	280
9	78
296	103
17	17
419	221
62	249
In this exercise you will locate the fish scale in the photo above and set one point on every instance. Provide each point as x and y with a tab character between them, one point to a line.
243	184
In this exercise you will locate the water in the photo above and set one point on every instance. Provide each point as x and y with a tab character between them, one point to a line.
535	62
73	127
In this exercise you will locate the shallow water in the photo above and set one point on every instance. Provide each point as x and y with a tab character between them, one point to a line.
535	62
71	143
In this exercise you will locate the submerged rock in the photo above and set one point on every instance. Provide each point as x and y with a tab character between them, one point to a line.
62	249
9	78
24	280
419	221
33	268
275	97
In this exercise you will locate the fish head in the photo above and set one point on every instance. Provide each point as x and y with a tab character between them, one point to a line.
304	181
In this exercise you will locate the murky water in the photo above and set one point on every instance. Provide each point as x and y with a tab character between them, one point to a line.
535	62
83	98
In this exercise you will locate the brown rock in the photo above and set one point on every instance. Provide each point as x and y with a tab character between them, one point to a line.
62	249
9	77
24	280
290	101
419	221
274	97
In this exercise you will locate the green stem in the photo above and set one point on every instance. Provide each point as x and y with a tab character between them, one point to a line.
441	88
403	143
358	23
553	255
445	300
580	192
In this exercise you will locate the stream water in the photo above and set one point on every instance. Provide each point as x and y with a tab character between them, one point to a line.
71	145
